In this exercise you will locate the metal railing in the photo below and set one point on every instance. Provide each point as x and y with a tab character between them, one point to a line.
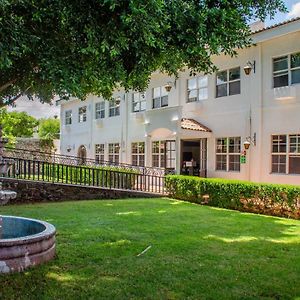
83	175
77	161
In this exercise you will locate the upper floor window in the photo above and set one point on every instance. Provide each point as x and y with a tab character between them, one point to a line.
286	154
138	154
100	110
228	82
160	97
286	70
82	114
197	89
68	117
99	153
114	153
114	107
138	102
228	154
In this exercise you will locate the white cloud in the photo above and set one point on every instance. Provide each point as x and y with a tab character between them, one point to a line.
35	108
295	11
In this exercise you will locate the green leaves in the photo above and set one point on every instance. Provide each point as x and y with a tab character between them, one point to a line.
84	47
273	199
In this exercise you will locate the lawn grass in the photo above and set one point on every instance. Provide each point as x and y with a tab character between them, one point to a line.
197	252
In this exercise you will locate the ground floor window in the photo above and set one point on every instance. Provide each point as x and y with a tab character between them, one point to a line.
228	151
138	154
164	154
114	152
99	153
286	154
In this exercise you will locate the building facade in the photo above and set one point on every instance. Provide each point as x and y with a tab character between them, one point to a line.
242	122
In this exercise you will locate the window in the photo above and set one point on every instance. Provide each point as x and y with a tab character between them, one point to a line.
286	154
164	154
160	97
197	89
100	110
99	153
114	107
228	82
228	154
114	153
82	114
68	117
138	102
286	70
138	154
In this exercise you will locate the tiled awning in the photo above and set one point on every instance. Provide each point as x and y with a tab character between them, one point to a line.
191	124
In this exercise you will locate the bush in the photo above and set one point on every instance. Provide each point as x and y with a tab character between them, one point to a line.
271	199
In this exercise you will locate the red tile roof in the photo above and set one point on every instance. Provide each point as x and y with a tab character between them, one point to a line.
191	124
277	25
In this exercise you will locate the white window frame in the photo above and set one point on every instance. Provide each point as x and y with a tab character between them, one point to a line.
114	108
139	154
82	114
100	110
168	154
68	117
99	153
139	103
163	95
228	82
288	71
227	154
198	88
114	153
287	154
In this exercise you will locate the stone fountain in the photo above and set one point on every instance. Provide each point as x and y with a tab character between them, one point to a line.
23	242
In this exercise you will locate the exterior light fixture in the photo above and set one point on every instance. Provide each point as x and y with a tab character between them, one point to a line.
69	148
169	85
248	68
250	141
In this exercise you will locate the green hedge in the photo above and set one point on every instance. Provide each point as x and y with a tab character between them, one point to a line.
271	199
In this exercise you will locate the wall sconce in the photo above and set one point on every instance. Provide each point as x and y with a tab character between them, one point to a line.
248	68
169	85
250	141
69	149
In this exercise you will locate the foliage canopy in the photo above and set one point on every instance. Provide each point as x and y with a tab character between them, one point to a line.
79	47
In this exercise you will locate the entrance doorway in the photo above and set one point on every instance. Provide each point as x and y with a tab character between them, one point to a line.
81	155
194	157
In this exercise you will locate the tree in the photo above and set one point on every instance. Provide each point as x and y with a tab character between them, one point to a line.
49	129
17	124
81	47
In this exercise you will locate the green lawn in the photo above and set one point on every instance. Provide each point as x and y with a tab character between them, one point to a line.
197	253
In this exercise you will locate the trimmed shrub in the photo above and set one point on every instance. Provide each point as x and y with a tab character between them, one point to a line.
270	199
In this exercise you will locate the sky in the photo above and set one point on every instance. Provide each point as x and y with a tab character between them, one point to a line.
38	110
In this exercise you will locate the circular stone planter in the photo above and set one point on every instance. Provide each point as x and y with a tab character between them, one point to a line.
25	243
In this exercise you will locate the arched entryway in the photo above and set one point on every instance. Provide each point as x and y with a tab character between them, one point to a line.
81	154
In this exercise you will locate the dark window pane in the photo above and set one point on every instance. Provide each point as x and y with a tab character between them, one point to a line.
278	164
156	102
221	90
234	74
234	162
280	63
164	101
221	77
295	60
294	165
296	76
282	80
234	88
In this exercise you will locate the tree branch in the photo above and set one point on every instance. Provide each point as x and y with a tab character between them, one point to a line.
6	85
12	100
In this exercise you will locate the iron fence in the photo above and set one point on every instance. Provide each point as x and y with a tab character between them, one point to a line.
83	175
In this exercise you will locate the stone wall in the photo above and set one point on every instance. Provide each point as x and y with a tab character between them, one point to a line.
28	192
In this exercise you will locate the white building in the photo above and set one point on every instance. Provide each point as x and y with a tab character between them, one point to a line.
204	119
